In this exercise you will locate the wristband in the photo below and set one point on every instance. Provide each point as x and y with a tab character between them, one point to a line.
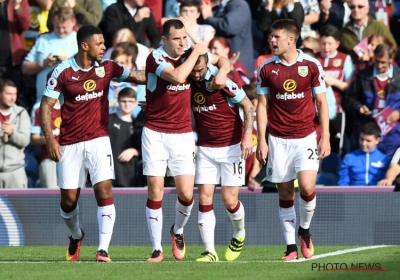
41	63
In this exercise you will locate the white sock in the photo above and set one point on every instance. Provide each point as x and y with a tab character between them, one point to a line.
306	210
287	217
182	214
237	220
71	219
106	220
154	219
206	222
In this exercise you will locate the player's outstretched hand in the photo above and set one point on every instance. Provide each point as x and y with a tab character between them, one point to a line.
324	147
262	152
54	149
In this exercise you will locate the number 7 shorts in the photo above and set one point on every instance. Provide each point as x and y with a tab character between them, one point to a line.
215	165
77	159
287	157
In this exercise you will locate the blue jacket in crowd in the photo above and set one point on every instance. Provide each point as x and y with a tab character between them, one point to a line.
363	169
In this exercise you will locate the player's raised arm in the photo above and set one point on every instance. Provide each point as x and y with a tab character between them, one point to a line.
137	77
46	106
179	74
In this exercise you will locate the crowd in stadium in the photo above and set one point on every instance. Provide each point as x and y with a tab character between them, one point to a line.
354	40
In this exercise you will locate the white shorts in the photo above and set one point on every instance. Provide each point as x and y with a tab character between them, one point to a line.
77	159
287	157
220	165
175	151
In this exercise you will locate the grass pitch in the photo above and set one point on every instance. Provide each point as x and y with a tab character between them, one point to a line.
255	262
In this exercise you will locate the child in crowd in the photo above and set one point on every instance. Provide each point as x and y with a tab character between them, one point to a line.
367	165
125	140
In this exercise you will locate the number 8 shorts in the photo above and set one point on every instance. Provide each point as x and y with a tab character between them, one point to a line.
287	157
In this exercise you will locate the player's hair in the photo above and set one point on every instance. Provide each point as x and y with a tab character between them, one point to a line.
127	92
175	23
308	51
118	51
251	91
63	13
86	32
6	83
224	42
385	48
288	25
204	56
124	35
131	48
190	3
329	30
371	128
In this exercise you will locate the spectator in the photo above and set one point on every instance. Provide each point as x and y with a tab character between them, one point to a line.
368	56
339	70
197	33
39	13
52	48
156	8
87	12
311	43
14	21
360	26
367	165
232	20
120	56
125	140
375	89
311	16
14	137
47	167
126	35
393	171
277	9
332	12
131	14
220	46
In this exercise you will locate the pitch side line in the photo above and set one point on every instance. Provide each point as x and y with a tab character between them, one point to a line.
336	253
341	252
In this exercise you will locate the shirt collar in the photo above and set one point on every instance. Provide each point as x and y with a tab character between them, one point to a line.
211	71
364	25
390	72
75	66
299	58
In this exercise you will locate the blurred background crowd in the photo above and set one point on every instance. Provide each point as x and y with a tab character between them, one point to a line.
355	41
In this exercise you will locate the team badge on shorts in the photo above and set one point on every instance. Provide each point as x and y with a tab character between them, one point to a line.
303	71
269	171
100	72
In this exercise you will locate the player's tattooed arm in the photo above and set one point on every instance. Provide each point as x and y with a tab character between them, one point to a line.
248	110
46	107
137	77
247	141
53	148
